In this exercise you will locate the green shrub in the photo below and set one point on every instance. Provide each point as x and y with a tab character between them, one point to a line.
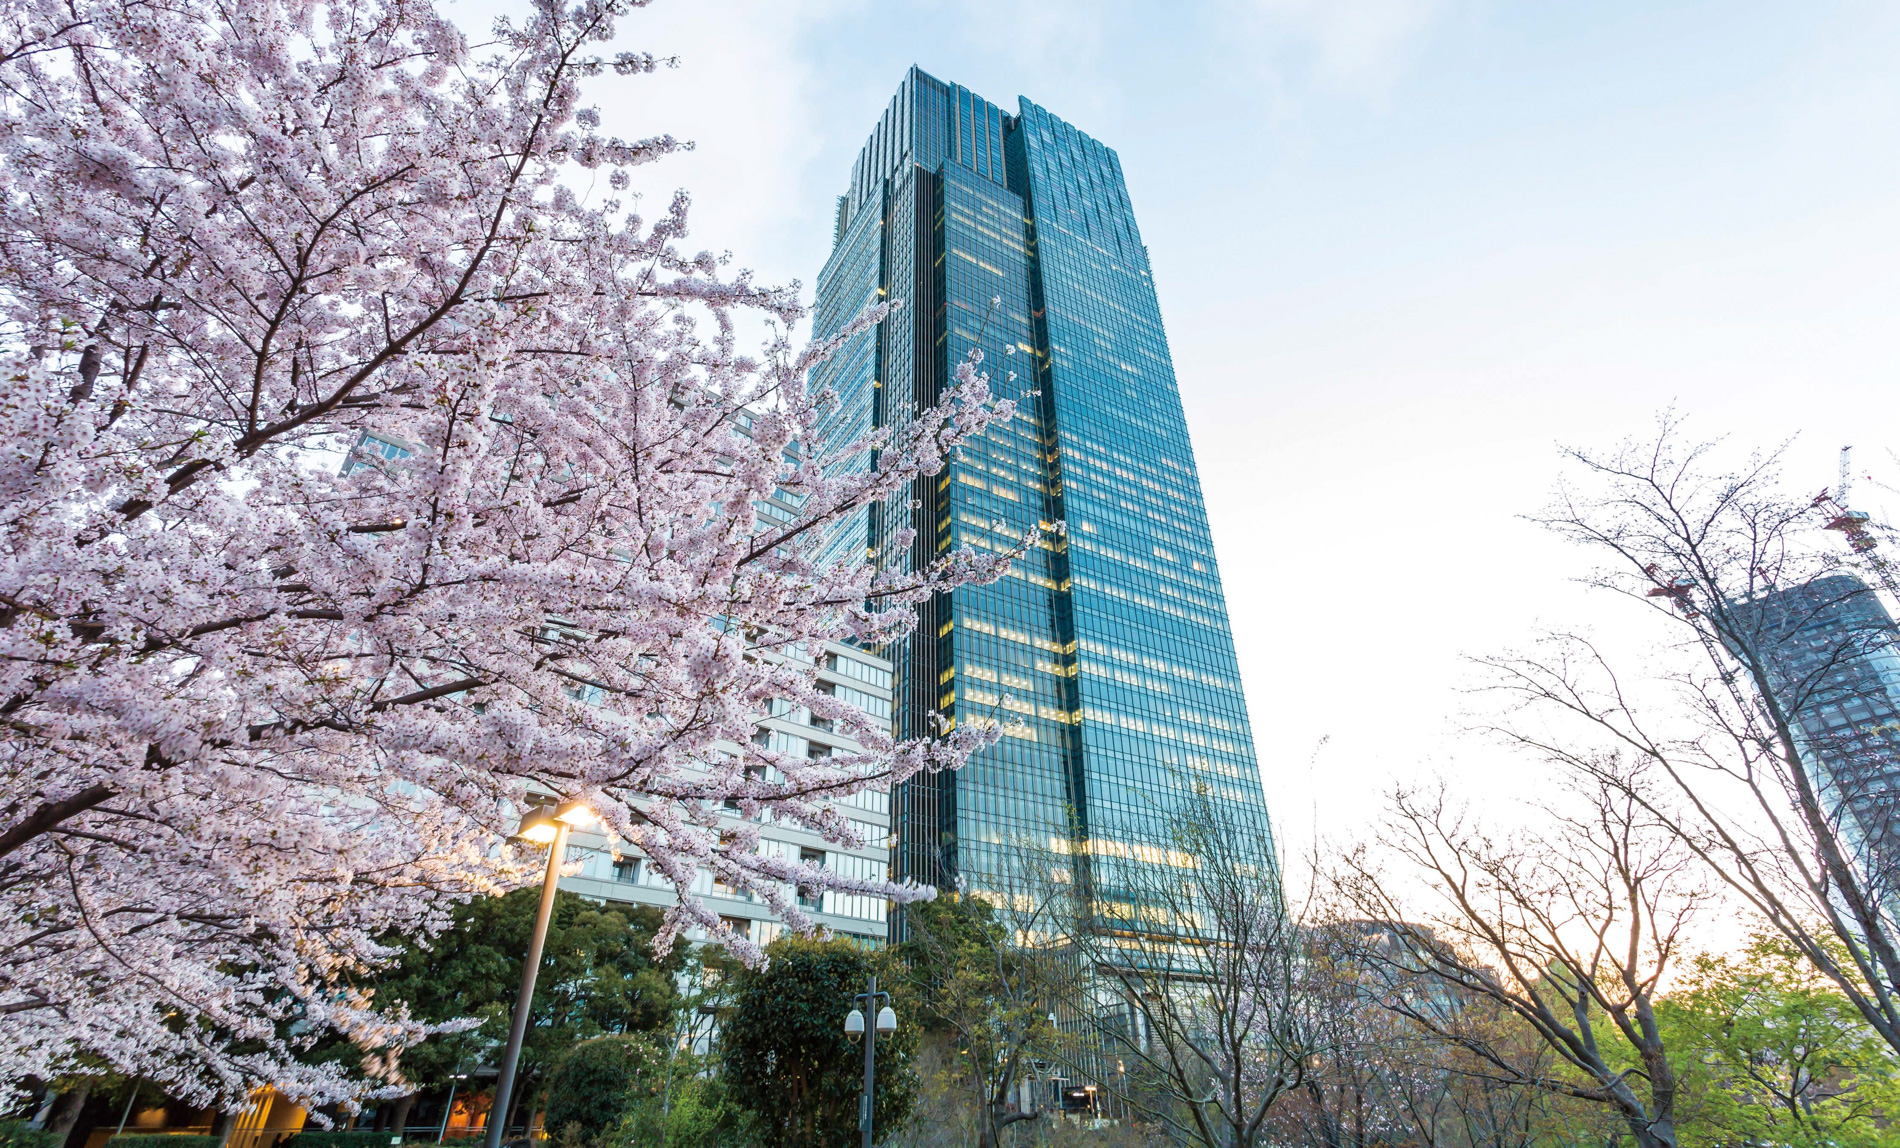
15	1134
162	1140
703	1116
600	1081
787	1060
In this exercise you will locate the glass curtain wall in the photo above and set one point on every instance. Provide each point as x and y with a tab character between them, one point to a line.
1105	655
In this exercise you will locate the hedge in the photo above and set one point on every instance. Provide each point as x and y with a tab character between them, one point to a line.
15	1134
355	1138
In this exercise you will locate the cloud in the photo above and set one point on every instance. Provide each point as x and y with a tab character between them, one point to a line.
744	97
1359	46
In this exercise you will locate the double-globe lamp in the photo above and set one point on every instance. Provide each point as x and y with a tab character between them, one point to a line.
542	826
884	1025
854	1024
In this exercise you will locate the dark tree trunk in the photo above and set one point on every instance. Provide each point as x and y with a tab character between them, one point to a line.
515	1107
399	1120
66	1110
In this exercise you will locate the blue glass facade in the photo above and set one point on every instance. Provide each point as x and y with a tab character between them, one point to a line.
1105	654
1833	658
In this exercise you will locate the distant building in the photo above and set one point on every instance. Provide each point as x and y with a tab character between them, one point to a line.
1833	657
862	679
1106	655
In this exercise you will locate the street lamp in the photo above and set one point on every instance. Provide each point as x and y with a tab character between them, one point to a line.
884	1025
540	827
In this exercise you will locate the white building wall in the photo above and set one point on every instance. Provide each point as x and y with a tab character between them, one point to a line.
857	677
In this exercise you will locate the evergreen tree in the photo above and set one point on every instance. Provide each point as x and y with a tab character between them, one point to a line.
787	1059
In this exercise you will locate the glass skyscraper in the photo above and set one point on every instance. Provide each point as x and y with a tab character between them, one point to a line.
1106	654
1832	653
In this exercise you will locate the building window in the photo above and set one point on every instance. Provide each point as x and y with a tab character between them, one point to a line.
852	668
752	773
370	446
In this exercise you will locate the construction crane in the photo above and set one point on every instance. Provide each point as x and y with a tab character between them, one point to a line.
1675	589
1855	526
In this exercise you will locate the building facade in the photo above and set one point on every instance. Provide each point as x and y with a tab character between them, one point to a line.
1833	657
1105	655
852	675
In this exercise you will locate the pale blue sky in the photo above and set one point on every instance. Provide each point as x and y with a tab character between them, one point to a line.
1404	248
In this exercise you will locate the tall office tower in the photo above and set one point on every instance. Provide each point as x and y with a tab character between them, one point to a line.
1106	654
1833	655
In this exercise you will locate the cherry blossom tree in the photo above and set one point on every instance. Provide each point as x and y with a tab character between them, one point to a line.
262	711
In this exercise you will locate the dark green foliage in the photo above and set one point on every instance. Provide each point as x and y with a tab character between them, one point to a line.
183	1140
953	940
599	1082
985	996
697	1113
15	1134
786	1057
598	977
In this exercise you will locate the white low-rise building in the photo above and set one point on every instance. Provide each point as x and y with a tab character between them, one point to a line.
861	679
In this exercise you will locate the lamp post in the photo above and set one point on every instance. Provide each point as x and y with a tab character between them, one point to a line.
542	828
138	1082
886	1023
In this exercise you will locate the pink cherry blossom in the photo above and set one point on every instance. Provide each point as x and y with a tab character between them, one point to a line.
263	712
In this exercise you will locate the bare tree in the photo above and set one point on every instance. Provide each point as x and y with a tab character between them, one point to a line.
1773	726
1188	964
1570	933
984	976
1380	1079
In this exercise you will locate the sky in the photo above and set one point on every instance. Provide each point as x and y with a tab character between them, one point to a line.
1405	251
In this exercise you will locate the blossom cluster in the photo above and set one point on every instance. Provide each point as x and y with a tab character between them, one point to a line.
360	478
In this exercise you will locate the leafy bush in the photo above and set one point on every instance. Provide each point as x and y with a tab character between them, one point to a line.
697	1113
704	1116
601	1081
162	1140
15	1134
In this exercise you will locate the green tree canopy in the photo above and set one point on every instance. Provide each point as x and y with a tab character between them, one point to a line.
598	977
985	994
786	1056
1771	1054
600	1081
